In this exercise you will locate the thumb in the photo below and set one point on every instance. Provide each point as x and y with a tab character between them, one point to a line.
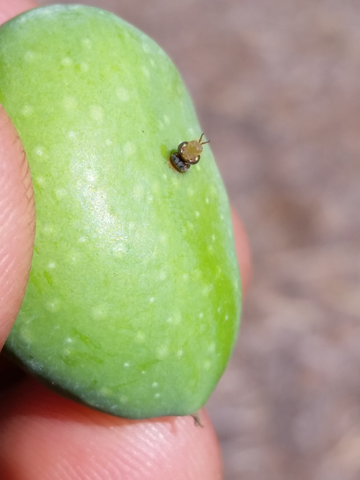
17	223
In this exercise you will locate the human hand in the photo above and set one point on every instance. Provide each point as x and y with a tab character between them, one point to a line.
46	436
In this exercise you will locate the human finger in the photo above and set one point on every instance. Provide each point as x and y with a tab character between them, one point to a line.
17	223
9	9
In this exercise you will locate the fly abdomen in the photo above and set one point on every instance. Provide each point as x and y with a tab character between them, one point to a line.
178	163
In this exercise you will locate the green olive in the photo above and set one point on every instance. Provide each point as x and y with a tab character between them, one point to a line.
133	301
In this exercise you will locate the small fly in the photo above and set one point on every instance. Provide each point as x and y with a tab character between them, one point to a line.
188	153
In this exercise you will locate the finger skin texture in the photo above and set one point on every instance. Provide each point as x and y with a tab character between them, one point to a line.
45	436
9	9
17	223
243	251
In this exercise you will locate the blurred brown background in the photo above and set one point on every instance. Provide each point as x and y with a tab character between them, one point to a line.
277	88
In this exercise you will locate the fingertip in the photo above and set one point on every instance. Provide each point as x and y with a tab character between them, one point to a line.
17	223
42	431
15	7
243	251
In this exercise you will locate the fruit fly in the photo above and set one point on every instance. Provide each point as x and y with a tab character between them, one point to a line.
188	153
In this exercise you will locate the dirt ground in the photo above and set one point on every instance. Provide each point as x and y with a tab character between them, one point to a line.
277	88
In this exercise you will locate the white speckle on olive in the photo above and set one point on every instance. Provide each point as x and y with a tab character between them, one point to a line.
201	315
26	335
27	110
108	142
150	198
82	240
190	226
211	348
155	187
226	318
165	176
207	365
207	200
166	119
163	239
51	265
152	299
180	353
53	306
40	180
162	351
48	230
145	71
74	257
122	94
157	395
185	276
97	113
169	320
72	135
129	149
29	56
68	340
205	291
213	238
123	399
197	274
190	192
84	67
198	168
162	275
105	391
211	249
66	62
39	151
219	310
61	193
140	337
86	42
119	251
152	63
155	384
126	365
175	182
138	192
70	103
197	214
99	312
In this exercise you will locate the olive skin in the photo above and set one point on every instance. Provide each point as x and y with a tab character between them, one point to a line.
133	301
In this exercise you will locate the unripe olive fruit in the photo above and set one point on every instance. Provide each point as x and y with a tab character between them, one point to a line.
133	300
